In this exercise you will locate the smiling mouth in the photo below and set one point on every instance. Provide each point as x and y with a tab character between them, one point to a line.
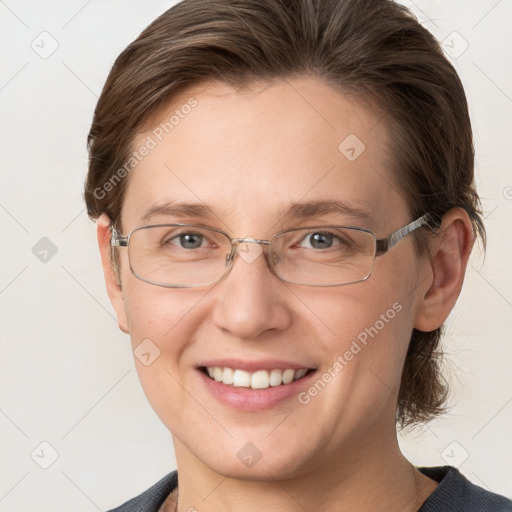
260	379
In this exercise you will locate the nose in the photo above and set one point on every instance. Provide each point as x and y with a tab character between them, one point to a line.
250	301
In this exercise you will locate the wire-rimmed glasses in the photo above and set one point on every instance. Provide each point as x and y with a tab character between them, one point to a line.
192	255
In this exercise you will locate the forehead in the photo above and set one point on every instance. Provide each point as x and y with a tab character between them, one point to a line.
247	155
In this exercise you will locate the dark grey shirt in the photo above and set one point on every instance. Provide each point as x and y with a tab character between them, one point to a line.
455	493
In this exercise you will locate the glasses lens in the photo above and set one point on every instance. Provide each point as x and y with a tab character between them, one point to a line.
325	256
173	255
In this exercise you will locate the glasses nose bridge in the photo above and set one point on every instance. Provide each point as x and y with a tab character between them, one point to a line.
235	242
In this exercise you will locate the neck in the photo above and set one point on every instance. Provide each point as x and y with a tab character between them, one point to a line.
371	476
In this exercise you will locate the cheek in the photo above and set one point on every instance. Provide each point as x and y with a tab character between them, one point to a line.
160	313
162	323
367	328
365	312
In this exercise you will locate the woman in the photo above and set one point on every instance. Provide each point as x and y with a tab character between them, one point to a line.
285	203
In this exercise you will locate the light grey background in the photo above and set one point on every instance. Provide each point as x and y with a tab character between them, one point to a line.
67	375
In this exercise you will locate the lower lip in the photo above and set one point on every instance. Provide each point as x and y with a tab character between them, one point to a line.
248	399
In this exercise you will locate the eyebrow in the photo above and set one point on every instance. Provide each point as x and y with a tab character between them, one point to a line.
177	209
300	211
328	207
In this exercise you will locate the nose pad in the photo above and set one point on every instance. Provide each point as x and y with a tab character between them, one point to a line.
273	258
249	250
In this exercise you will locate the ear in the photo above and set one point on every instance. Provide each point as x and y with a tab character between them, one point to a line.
111	280
450	248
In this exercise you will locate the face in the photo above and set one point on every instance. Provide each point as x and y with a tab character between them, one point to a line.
249	156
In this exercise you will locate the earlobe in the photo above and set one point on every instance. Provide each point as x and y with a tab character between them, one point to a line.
112	281
450	250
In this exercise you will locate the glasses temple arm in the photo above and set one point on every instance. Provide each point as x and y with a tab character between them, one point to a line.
117	239
385	244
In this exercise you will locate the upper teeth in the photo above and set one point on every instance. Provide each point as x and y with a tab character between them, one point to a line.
260	379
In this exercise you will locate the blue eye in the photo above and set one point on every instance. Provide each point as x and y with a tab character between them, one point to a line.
320	240
189	240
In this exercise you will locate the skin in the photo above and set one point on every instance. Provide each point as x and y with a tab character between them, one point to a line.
249	155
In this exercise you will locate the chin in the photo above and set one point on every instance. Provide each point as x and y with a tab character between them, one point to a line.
260	460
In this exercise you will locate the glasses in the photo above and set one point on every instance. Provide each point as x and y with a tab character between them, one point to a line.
190	255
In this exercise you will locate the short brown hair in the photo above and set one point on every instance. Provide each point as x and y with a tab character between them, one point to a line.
373	50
